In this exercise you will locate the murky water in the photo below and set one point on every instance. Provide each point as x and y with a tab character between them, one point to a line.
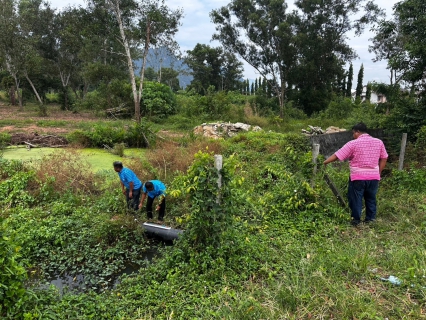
77	283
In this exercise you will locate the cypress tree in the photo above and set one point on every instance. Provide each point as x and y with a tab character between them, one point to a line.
359	85
368	93
343	88
350	78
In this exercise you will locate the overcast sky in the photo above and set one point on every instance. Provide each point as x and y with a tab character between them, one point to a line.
197	28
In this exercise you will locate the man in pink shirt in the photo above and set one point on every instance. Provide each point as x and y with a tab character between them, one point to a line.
367	158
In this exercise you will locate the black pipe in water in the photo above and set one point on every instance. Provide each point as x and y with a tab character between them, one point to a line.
161	232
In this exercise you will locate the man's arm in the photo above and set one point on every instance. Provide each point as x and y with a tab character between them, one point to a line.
332	158
131	189
142	200
382	164
123	189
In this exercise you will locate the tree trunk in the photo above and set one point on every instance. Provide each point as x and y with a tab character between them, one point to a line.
12	96
14	75
145	54
65	80
33	87
116	7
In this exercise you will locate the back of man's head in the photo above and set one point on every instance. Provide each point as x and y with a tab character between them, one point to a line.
117	164
149	185
361	127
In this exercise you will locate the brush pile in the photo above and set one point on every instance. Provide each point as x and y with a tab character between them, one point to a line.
34	140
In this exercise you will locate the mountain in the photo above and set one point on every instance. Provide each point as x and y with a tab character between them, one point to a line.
163	58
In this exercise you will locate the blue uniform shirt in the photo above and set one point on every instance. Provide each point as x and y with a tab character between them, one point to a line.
159	189
126	176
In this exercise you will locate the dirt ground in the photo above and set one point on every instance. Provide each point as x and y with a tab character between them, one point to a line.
26	119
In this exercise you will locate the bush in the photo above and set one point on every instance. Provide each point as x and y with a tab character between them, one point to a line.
158	100
70	172
12	276
338	108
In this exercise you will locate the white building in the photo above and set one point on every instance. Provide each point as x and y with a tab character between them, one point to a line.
374	98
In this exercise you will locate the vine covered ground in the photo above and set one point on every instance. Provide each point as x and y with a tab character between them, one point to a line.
272	243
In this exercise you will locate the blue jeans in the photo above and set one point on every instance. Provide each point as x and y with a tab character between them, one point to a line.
133	203
359	189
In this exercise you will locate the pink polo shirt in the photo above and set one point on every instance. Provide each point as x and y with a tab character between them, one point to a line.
363	155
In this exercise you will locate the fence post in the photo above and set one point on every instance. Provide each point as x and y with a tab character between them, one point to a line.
402	152
315	153
218	164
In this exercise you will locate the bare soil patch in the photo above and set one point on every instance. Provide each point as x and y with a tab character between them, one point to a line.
29	114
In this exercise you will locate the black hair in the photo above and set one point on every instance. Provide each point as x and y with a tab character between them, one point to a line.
149	185
117	164
361	127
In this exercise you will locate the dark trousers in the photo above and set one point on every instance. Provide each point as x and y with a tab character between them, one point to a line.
161	212
133	203
363	189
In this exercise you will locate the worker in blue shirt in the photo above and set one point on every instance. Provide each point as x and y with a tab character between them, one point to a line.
130	185
153	189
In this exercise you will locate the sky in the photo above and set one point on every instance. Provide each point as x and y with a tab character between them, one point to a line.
198	28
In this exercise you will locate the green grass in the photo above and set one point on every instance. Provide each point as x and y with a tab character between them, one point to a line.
288	263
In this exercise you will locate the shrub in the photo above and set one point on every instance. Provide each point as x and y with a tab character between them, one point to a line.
12	276
169	157
338	108
79	138
158	100
118	149
70	172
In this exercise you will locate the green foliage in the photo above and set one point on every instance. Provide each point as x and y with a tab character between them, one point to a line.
4	139
118	149
213	106
210	215
413	180
158	100
113	94
12	190
367	113
276	246
134	135
213	69
359	84
12	291
407	114
339	108
348	93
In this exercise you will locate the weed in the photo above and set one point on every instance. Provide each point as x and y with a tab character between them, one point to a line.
70	172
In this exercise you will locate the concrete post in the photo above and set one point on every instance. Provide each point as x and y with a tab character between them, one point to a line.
315	153
218	164
402	152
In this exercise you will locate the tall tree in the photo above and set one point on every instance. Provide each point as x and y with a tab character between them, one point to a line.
359	85
9	42
411	24
213	66
349	83
388	44
368	92
306	47
142	24
260	32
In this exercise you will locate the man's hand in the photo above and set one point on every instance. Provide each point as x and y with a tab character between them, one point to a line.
130	194
123	191
158	208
